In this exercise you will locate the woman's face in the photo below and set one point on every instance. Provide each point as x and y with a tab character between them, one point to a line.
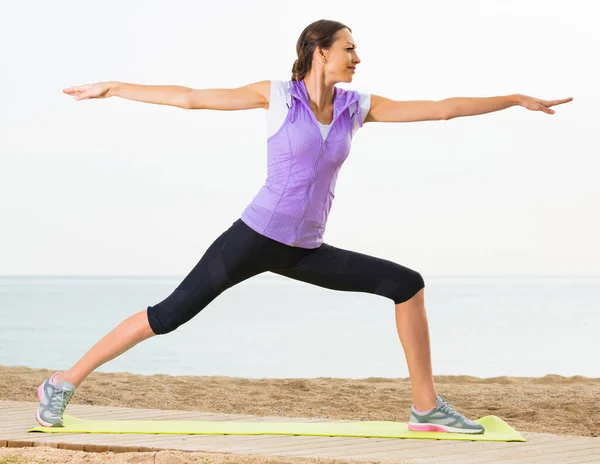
341	58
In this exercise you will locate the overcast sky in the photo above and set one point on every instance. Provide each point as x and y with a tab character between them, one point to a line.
117	187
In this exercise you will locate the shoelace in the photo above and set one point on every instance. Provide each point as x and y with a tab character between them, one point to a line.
448	409
58	403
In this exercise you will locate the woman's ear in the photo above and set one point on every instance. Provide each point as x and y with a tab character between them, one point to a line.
321	54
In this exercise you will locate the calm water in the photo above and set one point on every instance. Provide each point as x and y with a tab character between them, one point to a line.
270	326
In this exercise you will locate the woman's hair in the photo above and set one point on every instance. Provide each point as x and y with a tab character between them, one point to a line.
320	33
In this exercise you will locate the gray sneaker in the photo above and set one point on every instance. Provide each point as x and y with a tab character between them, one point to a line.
53	401
442	418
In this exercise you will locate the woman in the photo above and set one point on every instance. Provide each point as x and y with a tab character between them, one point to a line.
311	124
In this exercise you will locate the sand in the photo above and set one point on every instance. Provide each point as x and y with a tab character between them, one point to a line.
550	404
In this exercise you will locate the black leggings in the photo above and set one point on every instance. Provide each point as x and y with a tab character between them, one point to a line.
240	253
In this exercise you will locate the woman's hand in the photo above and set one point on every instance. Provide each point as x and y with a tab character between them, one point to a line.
535	104
85	92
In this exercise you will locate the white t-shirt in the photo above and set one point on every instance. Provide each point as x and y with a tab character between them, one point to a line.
278	109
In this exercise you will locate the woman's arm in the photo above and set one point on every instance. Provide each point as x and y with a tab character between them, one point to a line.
386	110
469	106
254	95
171	95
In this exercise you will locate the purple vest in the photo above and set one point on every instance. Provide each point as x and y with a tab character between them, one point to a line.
302	170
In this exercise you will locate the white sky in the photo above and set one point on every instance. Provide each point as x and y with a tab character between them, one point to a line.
117	187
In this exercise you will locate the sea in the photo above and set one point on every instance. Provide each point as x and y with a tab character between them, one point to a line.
273	327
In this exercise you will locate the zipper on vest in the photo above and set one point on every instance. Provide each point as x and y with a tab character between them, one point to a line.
312	117
312	178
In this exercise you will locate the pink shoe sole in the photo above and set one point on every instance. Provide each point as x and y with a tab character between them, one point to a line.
439	428
426	428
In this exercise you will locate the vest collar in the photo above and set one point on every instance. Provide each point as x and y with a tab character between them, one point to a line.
341	98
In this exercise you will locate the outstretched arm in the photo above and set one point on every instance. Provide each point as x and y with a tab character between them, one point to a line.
250	96
386	110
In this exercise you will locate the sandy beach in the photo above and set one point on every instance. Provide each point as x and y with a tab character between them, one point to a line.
550	404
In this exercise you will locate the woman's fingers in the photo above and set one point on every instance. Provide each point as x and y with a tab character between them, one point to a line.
544	105
537	104
76	89
79	90
560	102
557	102
85	92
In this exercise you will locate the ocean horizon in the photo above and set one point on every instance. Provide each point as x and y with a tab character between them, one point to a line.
273	327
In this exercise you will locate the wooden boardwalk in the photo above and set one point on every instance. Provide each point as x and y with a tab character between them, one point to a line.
18	416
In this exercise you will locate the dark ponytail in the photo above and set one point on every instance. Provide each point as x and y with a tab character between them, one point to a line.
320	33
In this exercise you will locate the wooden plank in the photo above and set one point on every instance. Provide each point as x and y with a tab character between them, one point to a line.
18	426
164	413
18	443
144	440
462	448
11	406
387	449
98	438
107	414
334	444
278	443
539	450
393	450
192	444
202	440
335	449
436	454
13	413
126	415
19	419
198	442
272	451
79	443
50	444
584	460
161	441
81	447
7	416
92	411
15	435
116	415
216	438
72	446
558	447
115	440
554	456
47	441
416	448
304	441
76	409
176	415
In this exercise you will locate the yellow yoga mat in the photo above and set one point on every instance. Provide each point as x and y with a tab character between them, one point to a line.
495	428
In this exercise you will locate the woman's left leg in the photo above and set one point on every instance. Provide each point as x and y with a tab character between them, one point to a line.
344	270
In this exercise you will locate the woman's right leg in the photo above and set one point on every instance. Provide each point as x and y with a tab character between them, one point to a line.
123	337
236	255
230	259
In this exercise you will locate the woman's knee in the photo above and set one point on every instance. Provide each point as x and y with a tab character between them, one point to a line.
410	284
177	309
159	324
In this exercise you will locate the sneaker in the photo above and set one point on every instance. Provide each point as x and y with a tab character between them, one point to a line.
442	418
53	401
